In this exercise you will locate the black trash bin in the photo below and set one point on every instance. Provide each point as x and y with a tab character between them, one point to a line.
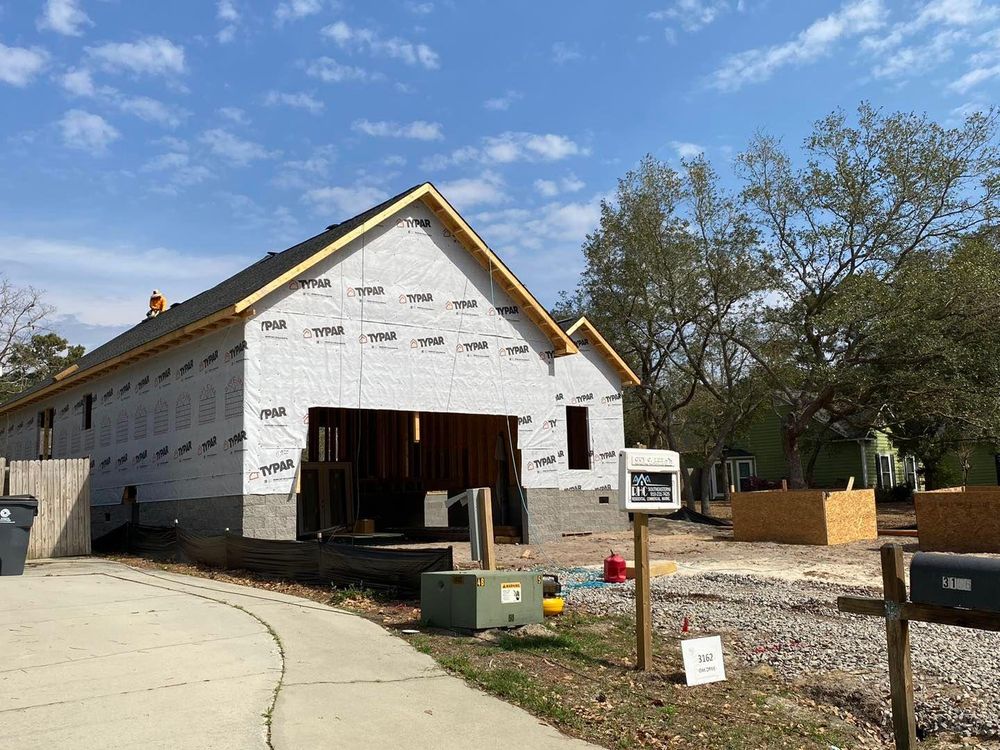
17	514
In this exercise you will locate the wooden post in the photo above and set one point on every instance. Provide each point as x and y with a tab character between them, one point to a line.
643	614
484	501
850	484
904	724
784	485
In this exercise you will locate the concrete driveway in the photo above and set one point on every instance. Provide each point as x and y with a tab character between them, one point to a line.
98	655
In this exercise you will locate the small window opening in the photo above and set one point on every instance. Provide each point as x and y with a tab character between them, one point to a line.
578	437
88	411
45	419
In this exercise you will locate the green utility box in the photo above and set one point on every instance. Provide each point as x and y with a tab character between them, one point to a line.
478	599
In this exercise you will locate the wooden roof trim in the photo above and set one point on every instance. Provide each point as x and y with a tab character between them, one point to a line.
70	378
628	374
440	207
63	374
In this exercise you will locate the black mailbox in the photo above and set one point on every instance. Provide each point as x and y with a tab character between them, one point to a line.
955	581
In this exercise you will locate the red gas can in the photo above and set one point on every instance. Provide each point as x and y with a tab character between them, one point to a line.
614	568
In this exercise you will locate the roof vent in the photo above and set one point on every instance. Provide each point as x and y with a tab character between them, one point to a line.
176	304
332	226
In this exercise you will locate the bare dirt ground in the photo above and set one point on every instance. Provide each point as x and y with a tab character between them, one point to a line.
698	548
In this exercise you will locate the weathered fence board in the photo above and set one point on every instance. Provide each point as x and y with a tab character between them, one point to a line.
62	486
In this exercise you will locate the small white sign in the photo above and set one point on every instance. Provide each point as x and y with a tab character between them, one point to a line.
510	593
703	660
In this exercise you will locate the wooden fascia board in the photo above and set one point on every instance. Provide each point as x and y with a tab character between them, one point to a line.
157	345
472	242
627	373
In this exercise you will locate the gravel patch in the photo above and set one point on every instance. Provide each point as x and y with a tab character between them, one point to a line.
794	628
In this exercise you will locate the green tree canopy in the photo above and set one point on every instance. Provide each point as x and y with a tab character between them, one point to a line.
34	360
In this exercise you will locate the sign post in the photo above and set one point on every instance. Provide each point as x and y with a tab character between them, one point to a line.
649	483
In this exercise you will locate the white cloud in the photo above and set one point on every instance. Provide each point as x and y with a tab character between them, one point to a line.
175	171
692	15
293	10
20	65
151	55
299	100
909	60
973	78
78	82
329	70
301	174
104	283
816	41
232	148
368	40
419	130
687	150
510	147
229	15
150	110
552	188
337	202
63	17
419	9
87	132
563	53
234	114
467	192
502	103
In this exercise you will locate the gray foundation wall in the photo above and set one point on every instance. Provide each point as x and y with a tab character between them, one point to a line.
259	516
270	516
553	512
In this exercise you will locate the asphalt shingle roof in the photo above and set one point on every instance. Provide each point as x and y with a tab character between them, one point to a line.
224	294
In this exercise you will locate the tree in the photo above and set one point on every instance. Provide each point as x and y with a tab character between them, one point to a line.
630	260
35	360
21	311
943	399
671	275
839	231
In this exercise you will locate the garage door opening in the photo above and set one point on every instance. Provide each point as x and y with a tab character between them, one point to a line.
399	467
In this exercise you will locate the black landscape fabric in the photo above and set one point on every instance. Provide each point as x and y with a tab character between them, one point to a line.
306	562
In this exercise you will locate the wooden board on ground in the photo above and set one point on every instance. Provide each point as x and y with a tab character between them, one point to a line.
959	521
820	517
657	568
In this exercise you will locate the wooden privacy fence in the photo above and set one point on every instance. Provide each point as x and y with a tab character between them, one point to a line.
62	487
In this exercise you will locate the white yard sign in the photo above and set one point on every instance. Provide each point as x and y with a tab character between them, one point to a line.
703	660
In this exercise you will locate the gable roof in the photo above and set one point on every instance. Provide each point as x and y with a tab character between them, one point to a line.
232	299
601	344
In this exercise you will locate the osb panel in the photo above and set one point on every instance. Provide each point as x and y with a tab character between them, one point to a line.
792	517
958	521
850	516
804	516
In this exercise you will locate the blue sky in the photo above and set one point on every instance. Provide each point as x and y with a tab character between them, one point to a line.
166	144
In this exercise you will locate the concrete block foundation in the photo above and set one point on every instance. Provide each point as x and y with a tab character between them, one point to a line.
258	516
553	512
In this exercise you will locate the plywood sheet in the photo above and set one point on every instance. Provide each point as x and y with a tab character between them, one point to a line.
959	521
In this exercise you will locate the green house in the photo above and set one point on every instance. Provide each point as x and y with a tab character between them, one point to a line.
837	452
755	459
